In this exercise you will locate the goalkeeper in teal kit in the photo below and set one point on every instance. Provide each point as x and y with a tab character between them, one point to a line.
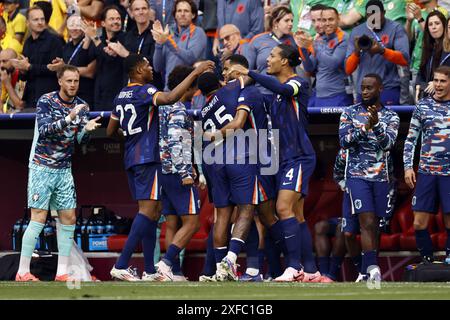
61	118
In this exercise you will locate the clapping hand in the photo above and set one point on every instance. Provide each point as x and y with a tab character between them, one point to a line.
373	117
91	125
303	39
56	64
76	110
89	29
118	49
109	50
21	64
159	33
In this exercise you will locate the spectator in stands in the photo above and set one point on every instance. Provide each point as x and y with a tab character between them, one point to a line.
305	38
79	51
57	10
415	25
128	21
15	21
307	14
231	41
326	61
39	51
162	9
262	44
139	40
185	43
89	9
110	77
351	12
368	130
378	46
12	87
316	19
433	54
246	15
432	188
7	40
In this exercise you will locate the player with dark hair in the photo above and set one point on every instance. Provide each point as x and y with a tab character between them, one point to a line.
179	197
430	119
234	175
296	154
61	119
134	113
254	117
368	131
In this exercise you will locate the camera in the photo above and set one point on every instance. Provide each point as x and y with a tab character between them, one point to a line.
365	42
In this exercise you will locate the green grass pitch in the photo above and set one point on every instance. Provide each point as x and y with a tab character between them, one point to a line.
223	291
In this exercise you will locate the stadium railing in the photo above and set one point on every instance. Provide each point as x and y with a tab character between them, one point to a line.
402	109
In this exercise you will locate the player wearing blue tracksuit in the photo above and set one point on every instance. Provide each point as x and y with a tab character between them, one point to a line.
431	120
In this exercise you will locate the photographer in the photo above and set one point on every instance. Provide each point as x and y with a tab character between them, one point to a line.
378	46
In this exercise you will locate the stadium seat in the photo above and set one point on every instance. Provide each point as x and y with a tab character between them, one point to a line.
117	242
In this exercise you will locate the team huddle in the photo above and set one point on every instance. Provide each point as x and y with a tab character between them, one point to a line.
250	199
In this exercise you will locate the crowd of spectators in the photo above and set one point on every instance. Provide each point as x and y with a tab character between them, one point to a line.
339	41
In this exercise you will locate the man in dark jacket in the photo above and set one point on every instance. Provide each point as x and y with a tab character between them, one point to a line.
38	52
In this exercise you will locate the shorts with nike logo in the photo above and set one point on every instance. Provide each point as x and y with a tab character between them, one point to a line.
371	196
294	174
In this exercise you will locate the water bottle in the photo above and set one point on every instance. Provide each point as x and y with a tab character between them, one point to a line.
48	233
90	227
15	234
25	225
100	226
109	228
